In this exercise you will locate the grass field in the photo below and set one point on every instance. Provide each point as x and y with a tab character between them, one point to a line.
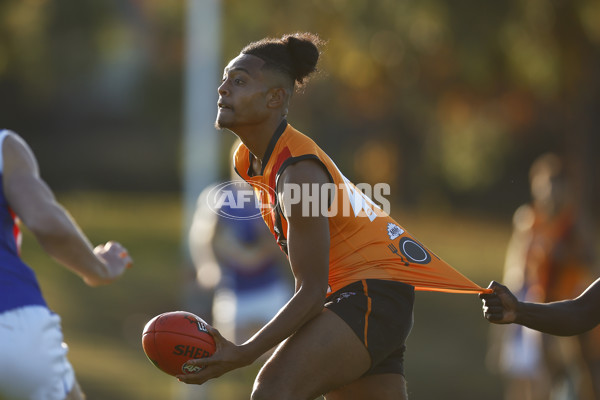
446	349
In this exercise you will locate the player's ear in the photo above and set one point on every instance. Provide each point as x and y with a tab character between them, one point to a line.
276	97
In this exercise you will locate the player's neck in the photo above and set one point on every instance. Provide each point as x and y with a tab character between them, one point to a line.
257	137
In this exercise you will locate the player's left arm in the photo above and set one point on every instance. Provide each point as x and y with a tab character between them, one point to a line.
308	251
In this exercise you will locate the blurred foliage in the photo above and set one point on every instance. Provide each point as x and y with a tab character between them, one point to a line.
99	83
462	95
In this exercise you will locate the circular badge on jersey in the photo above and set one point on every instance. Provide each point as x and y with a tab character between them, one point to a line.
414	251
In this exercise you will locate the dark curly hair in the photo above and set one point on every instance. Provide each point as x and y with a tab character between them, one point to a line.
294	55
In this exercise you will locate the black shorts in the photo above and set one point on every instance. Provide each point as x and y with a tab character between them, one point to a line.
381	314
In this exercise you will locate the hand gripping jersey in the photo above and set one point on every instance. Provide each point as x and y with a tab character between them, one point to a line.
18	284
365	242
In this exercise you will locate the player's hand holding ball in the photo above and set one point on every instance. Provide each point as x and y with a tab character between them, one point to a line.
227	357
171	339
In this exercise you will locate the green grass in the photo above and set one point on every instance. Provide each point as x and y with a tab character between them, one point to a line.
446	349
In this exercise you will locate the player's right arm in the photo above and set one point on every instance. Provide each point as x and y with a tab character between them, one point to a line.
562	318
59	235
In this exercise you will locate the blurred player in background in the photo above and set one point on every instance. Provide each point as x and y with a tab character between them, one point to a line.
238	262
235	257
549	258
33	361
342	333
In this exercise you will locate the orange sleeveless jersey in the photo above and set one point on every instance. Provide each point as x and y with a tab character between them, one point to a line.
366	243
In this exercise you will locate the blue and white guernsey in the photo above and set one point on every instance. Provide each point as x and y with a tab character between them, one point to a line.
18	284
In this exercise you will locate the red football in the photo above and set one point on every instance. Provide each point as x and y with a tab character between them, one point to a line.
171	339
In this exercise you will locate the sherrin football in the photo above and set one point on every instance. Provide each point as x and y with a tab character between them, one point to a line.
171	339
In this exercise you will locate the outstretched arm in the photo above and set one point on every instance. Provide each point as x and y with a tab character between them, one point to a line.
59	235
562	318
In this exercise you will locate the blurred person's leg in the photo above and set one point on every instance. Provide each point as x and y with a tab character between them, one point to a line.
520	361
590	351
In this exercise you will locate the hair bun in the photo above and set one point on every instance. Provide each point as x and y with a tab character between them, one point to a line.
294	55
304	51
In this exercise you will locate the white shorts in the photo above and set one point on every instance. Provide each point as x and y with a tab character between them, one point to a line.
235	312
33	361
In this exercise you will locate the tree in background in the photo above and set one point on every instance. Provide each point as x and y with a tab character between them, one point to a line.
463	94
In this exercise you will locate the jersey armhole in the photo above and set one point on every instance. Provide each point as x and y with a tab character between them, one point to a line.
238	173
294	160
